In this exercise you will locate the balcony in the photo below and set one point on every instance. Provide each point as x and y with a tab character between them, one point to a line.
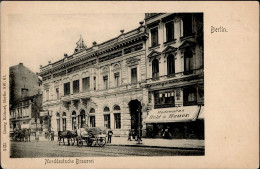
183	74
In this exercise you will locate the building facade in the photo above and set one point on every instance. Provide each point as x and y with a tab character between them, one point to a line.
149	79
24	86
175	75
99	85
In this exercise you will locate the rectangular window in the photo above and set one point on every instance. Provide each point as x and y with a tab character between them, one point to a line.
169	31
73	120
105	79
116	79
134	75
86	84
67	88
75	86
57	93
94	82
189	96
64	124
117	120
107	121
92	121
187	25
58	124
154	37
163	99
47	95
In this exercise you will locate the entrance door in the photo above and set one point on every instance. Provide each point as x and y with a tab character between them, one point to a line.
136	113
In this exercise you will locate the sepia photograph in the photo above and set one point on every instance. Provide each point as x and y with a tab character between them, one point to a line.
140	93
129	84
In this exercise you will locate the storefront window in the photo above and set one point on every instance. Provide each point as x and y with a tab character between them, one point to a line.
189	96
164	99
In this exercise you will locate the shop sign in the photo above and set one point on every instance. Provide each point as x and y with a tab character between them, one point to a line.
175	114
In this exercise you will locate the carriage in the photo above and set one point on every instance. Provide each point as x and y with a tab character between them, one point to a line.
21	134
93	136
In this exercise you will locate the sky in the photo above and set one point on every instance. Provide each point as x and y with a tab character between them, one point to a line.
36	39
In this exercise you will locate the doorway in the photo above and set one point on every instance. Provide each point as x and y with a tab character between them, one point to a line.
135	113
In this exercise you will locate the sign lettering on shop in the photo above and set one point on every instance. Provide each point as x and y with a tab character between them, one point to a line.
171	111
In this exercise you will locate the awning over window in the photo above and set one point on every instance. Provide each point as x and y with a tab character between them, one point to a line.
201	115
174	114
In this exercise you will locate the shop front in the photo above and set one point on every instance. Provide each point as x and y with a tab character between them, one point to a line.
176	122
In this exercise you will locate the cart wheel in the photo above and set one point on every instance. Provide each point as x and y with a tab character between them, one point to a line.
101	141
80	144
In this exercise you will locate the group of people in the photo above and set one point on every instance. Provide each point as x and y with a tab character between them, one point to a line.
133	134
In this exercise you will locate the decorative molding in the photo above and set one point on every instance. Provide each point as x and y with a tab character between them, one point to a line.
132	61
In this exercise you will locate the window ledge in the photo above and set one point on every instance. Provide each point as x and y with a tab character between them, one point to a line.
170	42
187	37
154	47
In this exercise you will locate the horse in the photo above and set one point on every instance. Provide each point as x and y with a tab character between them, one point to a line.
67	134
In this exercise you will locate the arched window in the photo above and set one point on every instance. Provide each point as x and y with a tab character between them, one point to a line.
92	119
64	122
155	68
73	120
117	117
106	109
188	61
107	117
82	119
116	107
171	64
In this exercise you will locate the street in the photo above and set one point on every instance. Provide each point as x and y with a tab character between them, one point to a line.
52	149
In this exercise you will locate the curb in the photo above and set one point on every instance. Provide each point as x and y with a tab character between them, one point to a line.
141	145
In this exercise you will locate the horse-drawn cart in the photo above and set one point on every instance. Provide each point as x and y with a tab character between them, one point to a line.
93	136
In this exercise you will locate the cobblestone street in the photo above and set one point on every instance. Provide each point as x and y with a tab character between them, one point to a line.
52	149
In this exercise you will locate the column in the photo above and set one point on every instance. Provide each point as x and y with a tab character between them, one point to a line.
71	87
112	122
80	85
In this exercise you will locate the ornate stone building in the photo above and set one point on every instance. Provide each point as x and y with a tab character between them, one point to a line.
175	74
99	85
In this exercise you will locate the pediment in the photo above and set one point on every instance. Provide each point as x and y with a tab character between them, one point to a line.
169	49
186	44
154	54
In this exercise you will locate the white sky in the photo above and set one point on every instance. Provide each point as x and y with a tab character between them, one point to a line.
36	39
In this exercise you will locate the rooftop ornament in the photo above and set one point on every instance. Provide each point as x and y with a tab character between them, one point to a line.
122	31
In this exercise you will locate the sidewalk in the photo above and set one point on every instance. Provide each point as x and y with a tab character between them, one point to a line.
148	142
159	143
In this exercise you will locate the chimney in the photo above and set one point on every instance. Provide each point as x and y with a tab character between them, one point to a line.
65	55
122	31
94	43
141	23
49	62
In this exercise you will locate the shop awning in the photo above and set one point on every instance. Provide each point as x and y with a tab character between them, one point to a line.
174	114
201	115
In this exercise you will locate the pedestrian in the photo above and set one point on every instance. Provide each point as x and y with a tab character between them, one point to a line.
52	135
37	134
133	133
129	135
109	135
